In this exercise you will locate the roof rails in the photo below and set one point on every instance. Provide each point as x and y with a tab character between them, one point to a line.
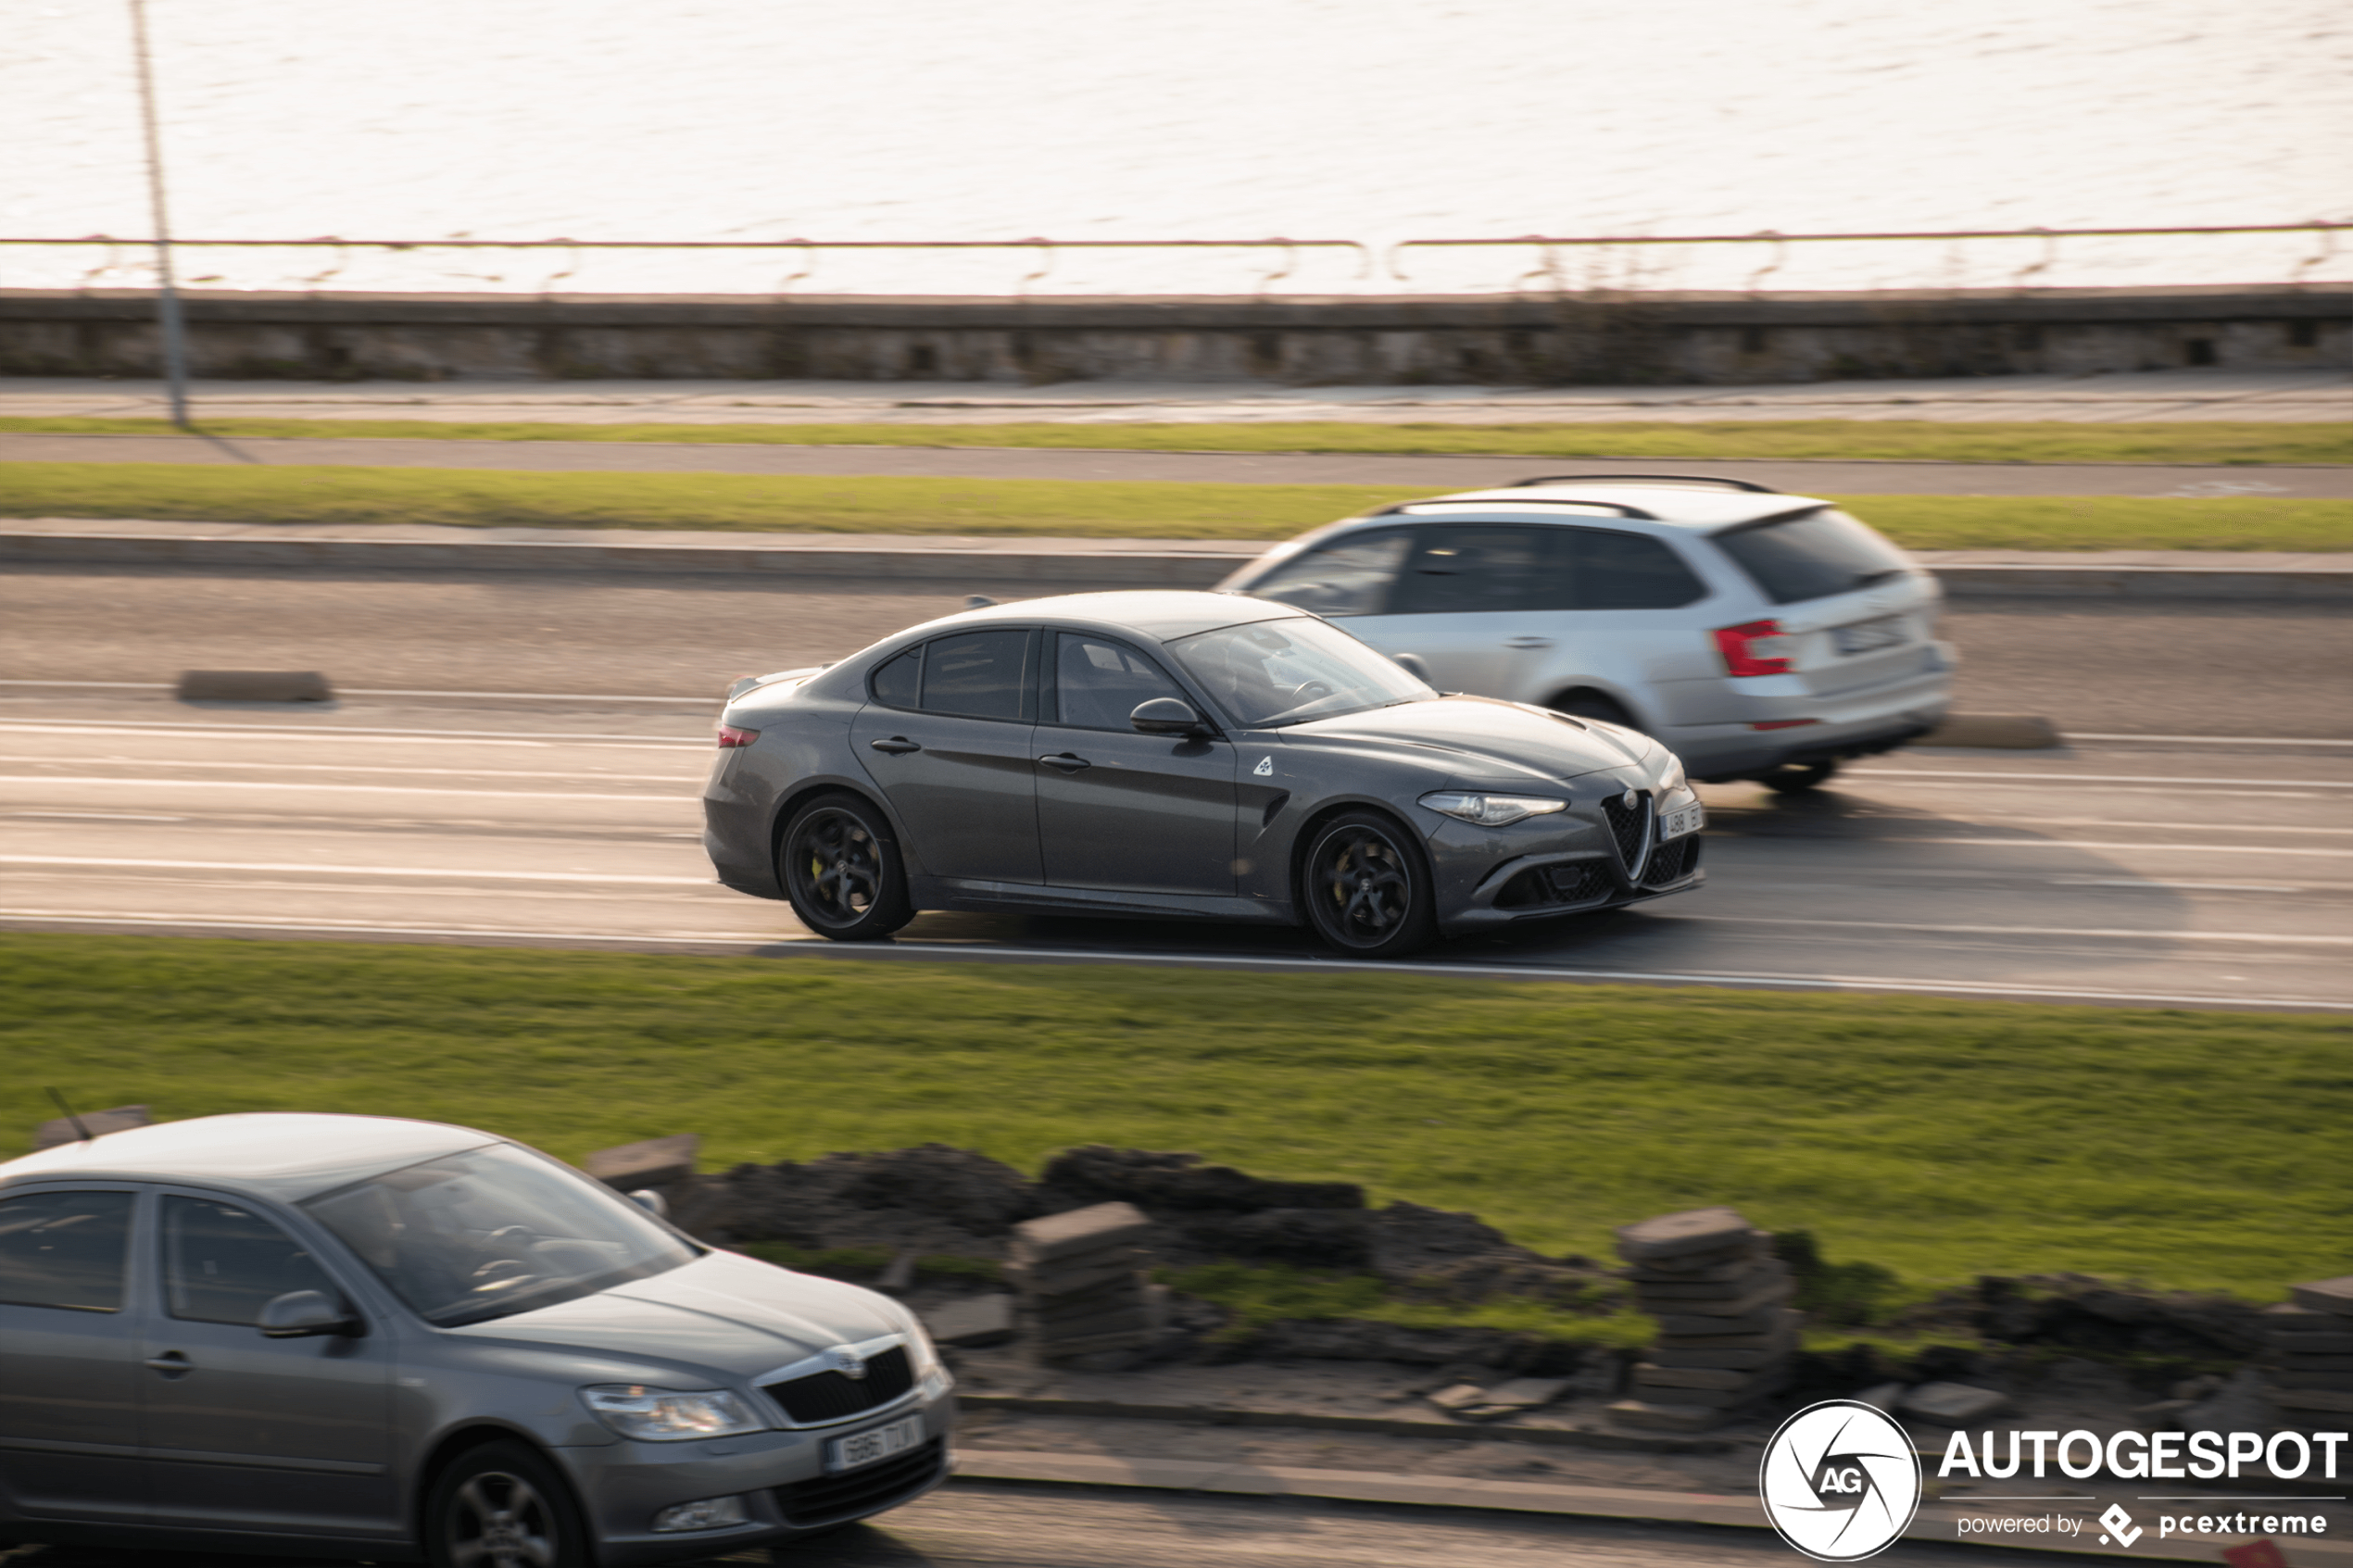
1641	478
1619	507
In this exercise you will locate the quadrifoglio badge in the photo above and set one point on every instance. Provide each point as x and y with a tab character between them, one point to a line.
1840	1481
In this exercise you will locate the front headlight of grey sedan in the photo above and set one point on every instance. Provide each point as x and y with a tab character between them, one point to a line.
1489	810
661	1415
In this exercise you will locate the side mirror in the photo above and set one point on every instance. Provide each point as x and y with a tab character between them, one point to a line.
1166	716
1411	664
299	1314
651	1202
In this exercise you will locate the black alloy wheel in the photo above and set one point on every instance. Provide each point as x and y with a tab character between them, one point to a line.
1796	778
1365	888
503	1506
841	871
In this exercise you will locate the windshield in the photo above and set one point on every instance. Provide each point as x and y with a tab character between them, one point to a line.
1284	671
493	1232
1813	555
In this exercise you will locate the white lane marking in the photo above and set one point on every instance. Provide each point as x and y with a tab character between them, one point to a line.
2013	930
93	816
336	789
2110	843
2208	740
2096	778
277	767
264	731
2128	823
346	871
384	691
151	917
1339	967
2185	887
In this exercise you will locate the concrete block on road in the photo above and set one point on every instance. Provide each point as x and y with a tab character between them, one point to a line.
1954	1404
982	1320
254	685
1665	1417
123	1118
651	1163
1994	732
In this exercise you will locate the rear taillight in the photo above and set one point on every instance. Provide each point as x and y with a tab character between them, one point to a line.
1752	648
731	737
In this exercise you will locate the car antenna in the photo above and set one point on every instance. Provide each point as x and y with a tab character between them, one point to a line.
85	1134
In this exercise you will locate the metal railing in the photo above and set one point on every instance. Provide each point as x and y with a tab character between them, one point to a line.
1374	265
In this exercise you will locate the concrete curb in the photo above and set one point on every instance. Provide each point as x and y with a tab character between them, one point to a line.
1935	1522
1374	1425
1107	563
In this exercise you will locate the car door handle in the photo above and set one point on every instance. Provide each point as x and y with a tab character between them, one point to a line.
171	1363
1528	642
895	745
1066	762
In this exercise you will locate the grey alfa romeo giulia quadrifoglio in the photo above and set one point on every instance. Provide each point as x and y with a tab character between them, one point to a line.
1179	754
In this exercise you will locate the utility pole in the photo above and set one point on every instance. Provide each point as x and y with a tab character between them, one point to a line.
175	337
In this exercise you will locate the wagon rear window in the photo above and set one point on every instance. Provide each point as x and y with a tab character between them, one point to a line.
1812	556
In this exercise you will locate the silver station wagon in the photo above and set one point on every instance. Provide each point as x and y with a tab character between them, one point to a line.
358	1336
1757	635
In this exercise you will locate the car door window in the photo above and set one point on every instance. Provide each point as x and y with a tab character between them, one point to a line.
1350	576
977	674
1098	684
1603	568
1470	567
65	1249
222	1262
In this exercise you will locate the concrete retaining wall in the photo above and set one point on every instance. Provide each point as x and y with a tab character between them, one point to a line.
1663	338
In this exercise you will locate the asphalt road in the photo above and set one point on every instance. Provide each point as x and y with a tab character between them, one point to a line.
996	1527
1437	473
2141	868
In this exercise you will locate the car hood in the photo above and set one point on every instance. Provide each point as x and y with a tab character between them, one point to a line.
723	1311
1483	740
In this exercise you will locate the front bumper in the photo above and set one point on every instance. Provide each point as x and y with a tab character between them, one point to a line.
779	1475
1489	878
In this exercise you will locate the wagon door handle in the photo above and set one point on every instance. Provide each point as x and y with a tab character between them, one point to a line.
1066	762
171	1363
1528	642
895	745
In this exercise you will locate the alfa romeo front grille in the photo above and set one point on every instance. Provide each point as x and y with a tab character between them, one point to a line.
828	1396
1631	827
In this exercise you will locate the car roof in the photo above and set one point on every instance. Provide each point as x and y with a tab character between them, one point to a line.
1698	507
285	1155
1164	613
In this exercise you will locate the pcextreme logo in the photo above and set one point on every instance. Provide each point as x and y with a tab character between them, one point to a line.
1840	1481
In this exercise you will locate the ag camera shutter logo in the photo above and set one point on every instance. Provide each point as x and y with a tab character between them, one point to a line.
1840	1481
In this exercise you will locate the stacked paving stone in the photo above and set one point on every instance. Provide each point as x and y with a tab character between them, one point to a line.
1726	1330
1084	1291
2311	1365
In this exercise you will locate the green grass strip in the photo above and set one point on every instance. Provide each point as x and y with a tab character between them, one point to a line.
1050	508
1940	1138
2217	440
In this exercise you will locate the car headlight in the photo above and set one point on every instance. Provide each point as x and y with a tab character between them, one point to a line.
1489	810
1673	778
668	1414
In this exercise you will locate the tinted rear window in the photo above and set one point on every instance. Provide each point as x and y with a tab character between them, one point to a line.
1812	556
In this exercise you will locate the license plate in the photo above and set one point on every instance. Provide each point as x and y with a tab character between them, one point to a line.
1866	636
875	1443
1675	824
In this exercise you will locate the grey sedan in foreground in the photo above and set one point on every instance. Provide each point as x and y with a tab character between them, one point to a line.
358	1336
1179	754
